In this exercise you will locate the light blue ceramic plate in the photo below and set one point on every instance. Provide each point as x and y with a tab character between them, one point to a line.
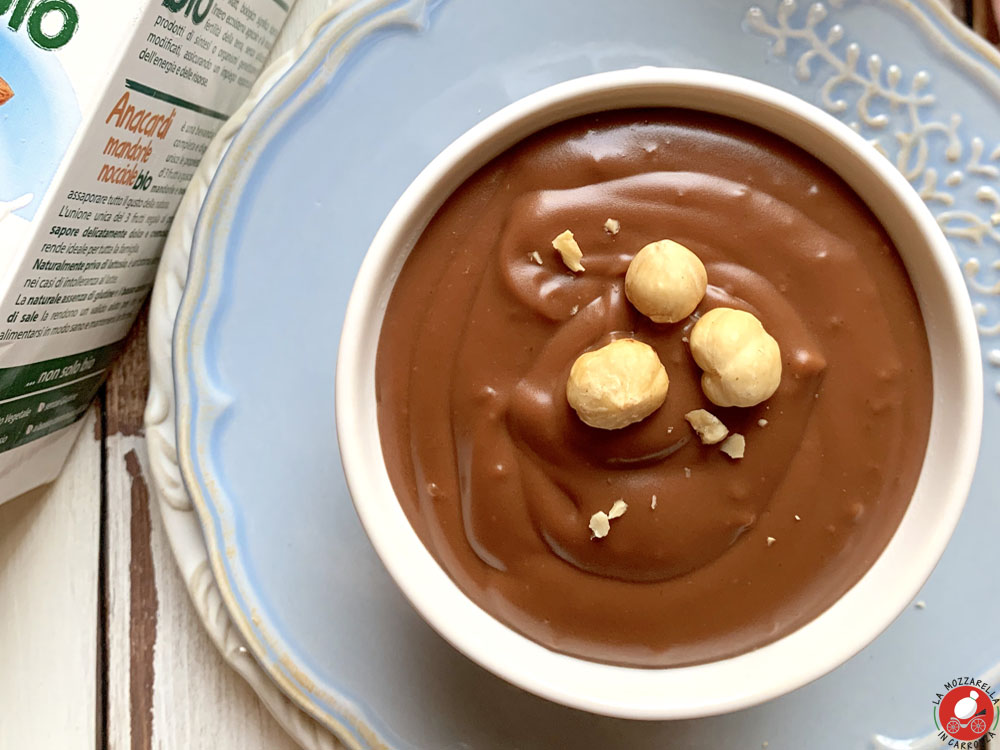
290	213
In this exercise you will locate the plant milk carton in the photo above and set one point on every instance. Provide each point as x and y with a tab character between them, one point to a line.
105	111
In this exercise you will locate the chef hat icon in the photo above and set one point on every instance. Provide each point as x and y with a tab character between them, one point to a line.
967	706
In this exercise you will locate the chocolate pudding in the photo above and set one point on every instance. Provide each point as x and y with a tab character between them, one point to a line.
716	555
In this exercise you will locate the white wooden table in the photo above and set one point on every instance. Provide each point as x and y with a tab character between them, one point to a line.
99	645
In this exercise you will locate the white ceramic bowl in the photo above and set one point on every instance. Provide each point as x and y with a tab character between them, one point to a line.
860	614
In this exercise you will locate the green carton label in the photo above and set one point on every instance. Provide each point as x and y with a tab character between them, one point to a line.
43	397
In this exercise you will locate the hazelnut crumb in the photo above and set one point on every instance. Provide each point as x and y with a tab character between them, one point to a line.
770	541
612	226
685	339
618	509
708	426
536	257
670	429
599	525
762	423
574	310
569	250
734	446
798	517
652	503
600	522
687	472
920	604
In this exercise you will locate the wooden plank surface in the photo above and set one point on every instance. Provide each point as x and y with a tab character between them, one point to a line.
49	556
167	686
983	18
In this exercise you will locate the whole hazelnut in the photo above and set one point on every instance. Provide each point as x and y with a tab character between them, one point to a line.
665	281
616	385
741	361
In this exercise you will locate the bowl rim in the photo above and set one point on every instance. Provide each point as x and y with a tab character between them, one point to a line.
731	683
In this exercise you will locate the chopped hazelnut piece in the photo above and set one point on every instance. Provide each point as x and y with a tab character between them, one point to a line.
762	423
652	503
687	472
7	93
612	226
536	257
798	517
574	310
600	522
618	509
569	250
734	446
600	525
708	426
770	540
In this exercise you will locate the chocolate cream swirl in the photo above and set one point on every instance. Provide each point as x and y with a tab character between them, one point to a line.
499	476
